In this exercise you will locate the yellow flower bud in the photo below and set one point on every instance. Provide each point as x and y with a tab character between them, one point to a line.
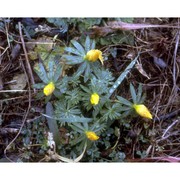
94	99
48	89
91	135
142	110
93	55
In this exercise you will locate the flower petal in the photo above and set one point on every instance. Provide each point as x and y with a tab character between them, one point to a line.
142	110
91	135
93	55
94	99
48	89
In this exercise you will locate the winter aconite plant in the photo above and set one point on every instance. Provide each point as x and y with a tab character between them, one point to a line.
86	56
82	98
49	78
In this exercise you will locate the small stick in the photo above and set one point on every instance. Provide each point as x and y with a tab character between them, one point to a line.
24	118
26	56
174	58
169	127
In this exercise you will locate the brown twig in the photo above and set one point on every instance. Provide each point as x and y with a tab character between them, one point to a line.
174	59
26	56
25	116
169	127
164	136
114	26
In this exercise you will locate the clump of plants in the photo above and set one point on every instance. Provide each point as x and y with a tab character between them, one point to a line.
78	95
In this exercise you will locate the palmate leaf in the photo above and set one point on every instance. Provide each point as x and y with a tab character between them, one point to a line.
57	72
85	89
133	93
103	80
85	68
77	127
41	72
67	112
81	68
38	85
66	109
125	108
87	73
139	94
74	81
105	75
124	101
142	99
93	45
61	23
97	126
72	50
72	60
112	112
78	47
87	44
51	70
73	96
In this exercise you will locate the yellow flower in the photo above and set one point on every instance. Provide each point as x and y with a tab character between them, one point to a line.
48	89
93	55
142	110
91	135
94	99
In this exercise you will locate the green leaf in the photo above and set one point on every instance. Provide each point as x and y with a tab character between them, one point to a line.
85	23
40	95
77	127
97	127
51	70
124	101
74	119
81	68
74	96
126	113
47	98
72	50
87	44
58	72
139	94
61	23
52	124
85	89
70	59
133	93
78	47
125	108
87	73
142	99
39	85
41	72
93	45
